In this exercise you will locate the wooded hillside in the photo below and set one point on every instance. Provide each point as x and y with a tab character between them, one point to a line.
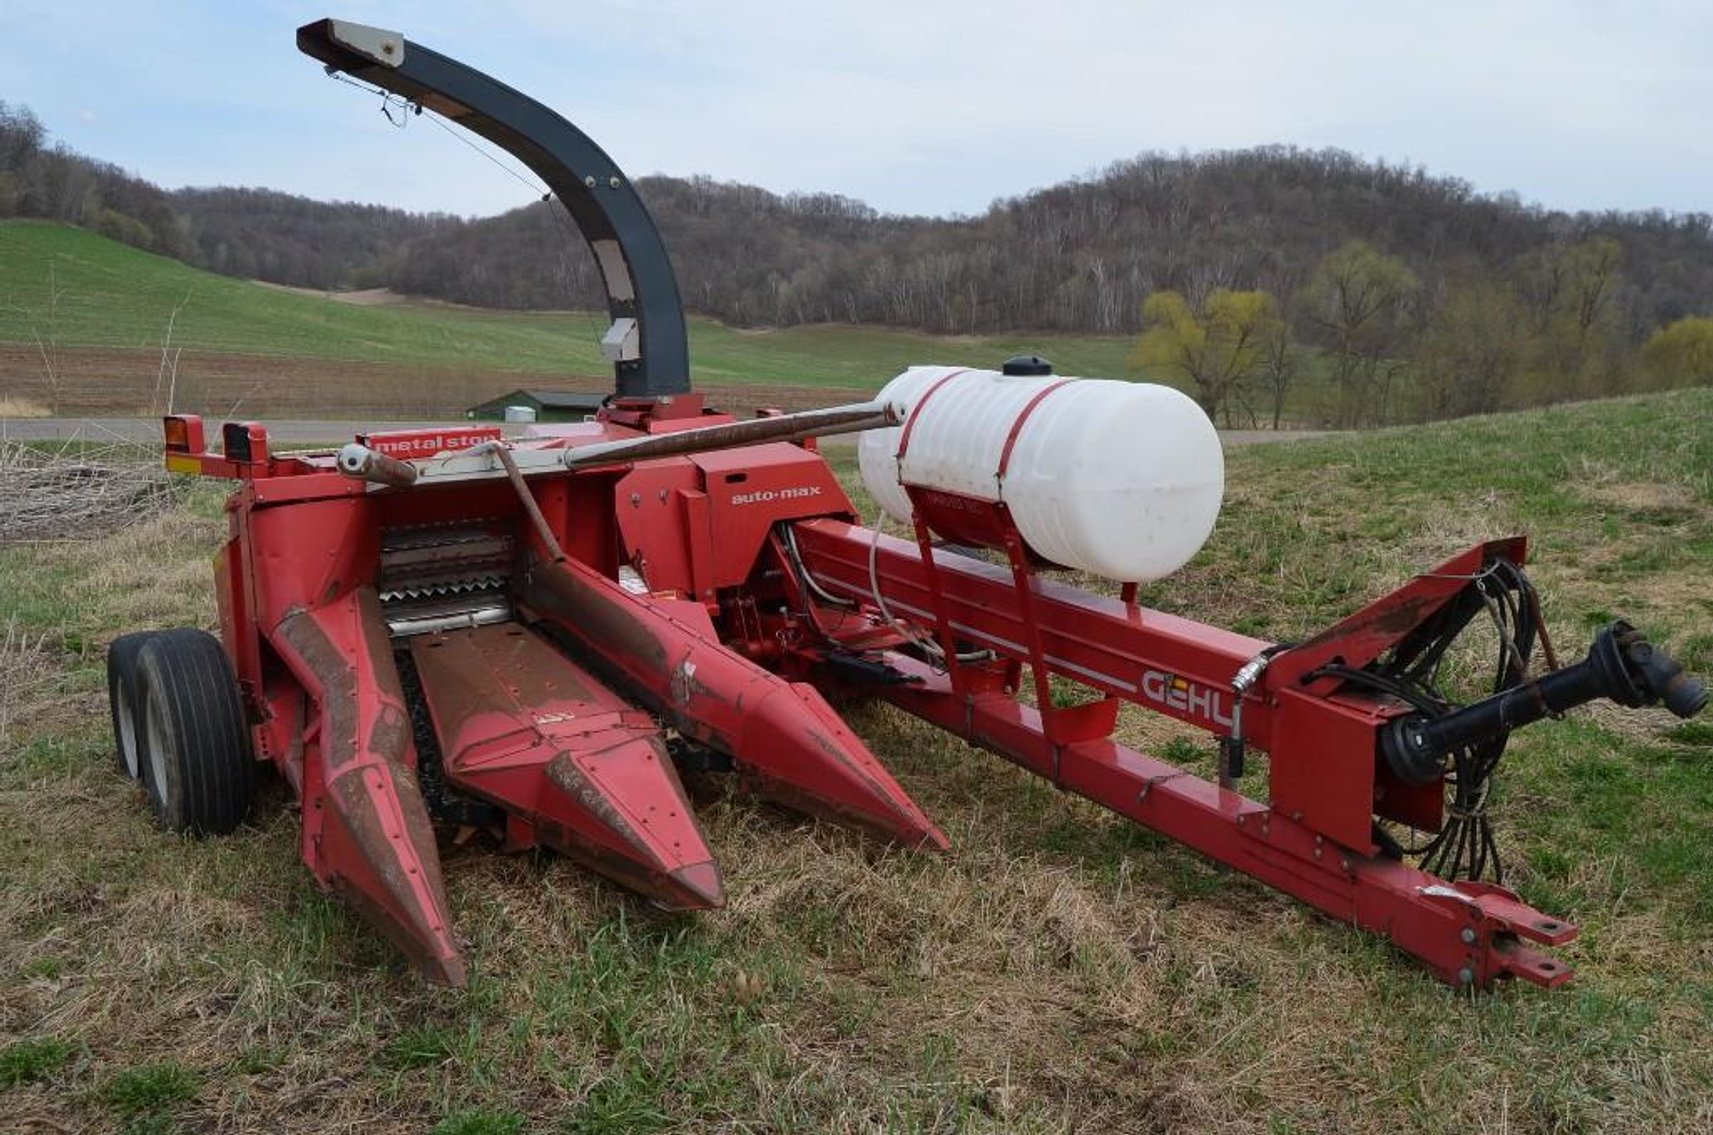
1078	256
1406	294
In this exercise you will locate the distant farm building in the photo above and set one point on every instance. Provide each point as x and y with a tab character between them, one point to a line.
549	405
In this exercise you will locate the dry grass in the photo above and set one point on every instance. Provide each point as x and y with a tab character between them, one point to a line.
1058	971
28	675
12	406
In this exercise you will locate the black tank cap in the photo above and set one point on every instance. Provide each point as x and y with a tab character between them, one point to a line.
1026	364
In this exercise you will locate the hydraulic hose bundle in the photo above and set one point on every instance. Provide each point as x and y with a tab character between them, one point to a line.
1464	744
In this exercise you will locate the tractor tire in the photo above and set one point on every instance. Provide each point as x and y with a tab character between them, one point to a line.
201	774
122	701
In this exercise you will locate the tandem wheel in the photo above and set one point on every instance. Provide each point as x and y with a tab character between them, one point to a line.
122	700
179	723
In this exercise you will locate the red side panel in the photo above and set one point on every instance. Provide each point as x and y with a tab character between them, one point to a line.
310	554
650	505
698	523
749	490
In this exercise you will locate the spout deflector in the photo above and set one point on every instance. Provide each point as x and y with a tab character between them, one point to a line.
602	201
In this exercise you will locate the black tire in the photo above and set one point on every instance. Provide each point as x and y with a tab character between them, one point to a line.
195	742
123	701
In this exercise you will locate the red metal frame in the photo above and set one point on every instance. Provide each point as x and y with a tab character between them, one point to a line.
698	589
1313	840
753	576
521	720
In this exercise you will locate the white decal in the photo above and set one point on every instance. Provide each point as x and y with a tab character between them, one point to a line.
427	445
761	496
1187	697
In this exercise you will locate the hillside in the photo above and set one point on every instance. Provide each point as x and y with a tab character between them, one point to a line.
1398	294
260	234
1415	296
1080	256
86	317
1060	970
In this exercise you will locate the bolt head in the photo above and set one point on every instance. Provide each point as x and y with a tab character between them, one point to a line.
1466	976
1468	936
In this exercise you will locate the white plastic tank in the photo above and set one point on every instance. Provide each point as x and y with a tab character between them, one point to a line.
520	413
1122	479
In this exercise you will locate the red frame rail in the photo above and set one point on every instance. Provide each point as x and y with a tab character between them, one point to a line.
1313	841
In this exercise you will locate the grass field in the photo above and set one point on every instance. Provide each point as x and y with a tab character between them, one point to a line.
1058	971
70	288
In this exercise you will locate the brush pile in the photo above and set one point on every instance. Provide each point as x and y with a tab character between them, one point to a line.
77	493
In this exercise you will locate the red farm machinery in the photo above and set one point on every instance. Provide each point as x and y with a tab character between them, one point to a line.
447	629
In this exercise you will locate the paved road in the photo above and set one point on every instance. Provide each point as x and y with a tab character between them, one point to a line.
148	430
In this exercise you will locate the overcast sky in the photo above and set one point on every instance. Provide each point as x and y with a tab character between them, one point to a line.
915	107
